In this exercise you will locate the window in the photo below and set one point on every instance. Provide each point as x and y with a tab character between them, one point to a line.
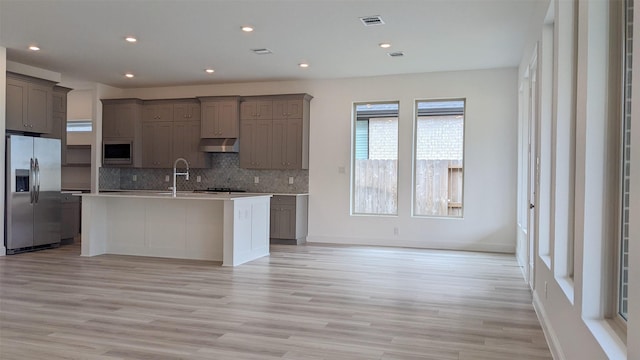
623	272
439	148
79	126
375	163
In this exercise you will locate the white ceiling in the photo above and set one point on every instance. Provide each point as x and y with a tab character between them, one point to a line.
178	39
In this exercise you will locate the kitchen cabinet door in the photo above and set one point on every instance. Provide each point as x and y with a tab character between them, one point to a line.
256	109
59	120
220	119
255	144
186	111
186	139
283	109
157	112
157	145
70	227
283	221
119	120
289	219
39	108
29	105
16	107
287	144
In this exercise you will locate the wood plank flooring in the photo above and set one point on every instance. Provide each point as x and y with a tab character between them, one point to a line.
302	302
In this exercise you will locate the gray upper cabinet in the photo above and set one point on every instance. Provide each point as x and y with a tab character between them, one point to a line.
256	109
157	111
277	127
120	117
29	104
219	117
284	109
59	120
287	144
186	137
121	121
255	144
187	110
157	149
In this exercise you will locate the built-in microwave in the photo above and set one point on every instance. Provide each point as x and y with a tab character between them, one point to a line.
116	152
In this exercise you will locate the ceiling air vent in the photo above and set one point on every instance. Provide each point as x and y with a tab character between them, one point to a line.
396	54
372	20
261	51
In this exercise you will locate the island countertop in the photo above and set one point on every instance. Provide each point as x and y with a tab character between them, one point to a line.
153	194
230	227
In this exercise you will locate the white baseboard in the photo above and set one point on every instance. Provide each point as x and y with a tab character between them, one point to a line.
449	245
549	333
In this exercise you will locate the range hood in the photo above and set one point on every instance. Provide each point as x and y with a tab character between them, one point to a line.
219	145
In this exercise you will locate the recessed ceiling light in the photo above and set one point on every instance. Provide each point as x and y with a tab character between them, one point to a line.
209	71
385	45
131	39
396	54
34	48
303	65
247	28
129	75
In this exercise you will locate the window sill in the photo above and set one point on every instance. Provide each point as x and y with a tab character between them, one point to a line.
566	284
546	259
607	337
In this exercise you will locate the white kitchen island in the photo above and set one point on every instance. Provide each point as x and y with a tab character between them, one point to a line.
232	228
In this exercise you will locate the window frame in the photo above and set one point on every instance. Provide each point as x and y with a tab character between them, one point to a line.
414	156
625	111
354	120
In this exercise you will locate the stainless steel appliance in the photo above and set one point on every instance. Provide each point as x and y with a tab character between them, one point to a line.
116	152
33	200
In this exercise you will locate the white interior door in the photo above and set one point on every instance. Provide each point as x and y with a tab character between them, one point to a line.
533	167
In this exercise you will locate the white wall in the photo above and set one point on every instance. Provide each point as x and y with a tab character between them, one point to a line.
80	104
574	311
489	162
489	213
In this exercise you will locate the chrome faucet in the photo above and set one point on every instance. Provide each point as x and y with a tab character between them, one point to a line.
176	173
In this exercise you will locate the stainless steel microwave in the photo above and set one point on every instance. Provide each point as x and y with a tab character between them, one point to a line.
115	152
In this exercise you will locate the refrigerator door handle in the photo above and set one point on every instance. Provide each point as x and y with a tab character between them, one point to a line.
32	183
37	167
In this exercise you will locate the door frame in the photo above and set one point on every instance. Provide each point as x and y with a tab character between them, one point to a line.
533	167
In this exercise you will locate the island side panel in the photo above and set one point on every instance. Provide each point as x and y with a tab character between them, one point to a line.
126	218
95	229
248	238
204	230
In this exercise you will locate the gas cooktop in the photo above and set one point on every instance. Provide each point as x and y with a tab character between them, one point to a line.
219	190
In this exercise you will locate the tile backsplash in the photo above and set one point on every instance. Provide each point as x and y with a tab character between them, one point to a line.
224	172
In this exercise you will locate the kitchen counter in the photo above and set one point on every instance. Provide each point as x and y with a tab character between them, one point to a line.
232	228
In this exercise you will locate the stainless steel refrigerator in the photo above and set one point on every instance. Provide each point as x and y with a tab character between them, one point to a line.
33	201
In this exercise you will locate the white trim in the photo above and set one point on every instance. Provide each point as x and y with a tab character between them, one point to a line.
607	337
549	333
435	245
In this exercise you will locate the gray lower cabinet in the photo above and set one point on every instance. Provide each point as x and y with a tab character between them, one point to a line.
289	219
70	216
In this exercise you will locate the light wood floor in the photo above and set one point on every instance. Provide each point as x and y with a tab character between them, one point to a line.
304	302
